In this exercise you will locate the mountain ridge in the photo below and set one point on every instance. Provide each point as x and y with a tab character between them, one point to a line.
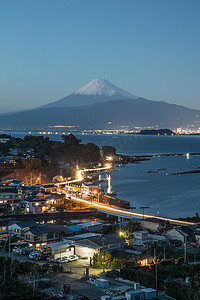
138	112
101	105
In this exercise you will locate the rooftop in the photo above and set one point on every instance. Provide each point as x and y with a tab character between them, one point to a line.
24	224
84	236
73	228
58	245
90	223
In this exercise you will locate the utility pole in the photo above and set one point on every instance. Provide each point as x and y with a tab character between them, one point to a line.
156	271
4	277
11	265
103	256
34	287
164	256
9	242
185	249
143	208
195	258
134	207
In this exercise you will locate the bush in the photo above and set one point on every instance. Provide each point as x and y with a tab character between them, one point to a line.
109	261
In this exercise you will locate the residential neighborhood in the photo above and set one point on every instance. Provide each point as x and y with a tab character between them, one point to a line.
76	227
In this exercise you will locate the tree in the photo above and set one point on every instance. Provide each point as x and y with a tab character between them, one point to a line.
109	150
109	261
70	140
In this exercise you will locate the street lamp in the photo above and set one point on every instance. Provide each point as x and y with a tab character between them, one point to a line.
143	208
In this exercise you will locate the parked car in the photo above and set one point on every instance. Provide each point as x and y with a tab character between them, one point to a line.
73	257
34	255
26	250
61	260
56	260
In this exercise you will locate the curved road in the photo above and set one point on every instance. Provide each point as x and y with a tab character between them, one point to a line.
122	212
80	177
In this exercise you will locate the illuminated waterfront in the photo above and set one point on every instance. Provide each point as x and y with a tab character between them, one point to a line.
165	194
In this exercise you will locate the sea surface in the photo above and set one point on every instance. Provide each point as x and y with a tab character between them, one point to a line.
165	194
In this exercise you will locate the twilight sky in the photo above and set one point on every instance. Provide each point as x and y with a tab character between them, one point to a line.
50	48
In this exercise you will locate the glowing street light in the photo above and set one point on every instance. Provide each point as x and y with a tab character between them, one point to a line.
109	158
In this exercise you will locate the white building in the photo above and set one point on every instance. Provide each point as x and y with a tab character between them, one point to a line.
61	249
88	244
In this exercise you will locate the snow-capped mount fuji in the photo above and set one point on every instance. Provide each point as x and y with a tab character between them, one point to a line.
102	87
101	105
97	90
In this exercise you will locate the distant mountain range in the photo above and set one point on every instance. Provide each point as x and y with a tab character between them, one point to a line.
102	105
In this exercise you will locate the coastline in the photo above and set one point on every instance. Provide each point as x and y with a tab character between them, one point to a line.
164	194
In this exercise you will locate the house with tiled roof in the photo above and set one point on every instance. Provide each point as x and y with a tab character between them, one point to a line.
153	224
18	227
34	205
181	233
40	235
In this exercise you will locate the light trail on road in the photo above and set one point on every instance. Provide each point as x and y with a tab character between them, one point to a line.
127	213
117	211
80	176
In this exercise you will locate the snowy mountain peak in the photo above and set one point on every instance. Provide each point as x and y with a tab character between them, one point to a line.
102	87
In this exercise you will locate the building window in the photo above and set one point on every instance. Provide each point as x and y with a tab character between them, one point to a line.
3	228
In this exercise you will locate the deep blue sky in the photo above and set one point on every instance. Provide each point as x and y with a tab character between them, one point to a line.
50	48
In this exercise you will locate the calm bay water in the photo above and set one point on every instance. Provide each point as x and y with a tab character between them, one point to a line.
165	194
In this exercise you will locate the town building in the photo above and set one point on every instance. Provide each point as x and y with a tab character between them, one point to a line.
40	235
181	233
61	249
18	227
8	198
34	205
153	224
91	226
74	228
88	244
140	294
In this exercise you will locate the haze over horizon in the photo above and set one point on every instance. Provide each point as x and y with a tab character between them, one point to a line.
50	49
